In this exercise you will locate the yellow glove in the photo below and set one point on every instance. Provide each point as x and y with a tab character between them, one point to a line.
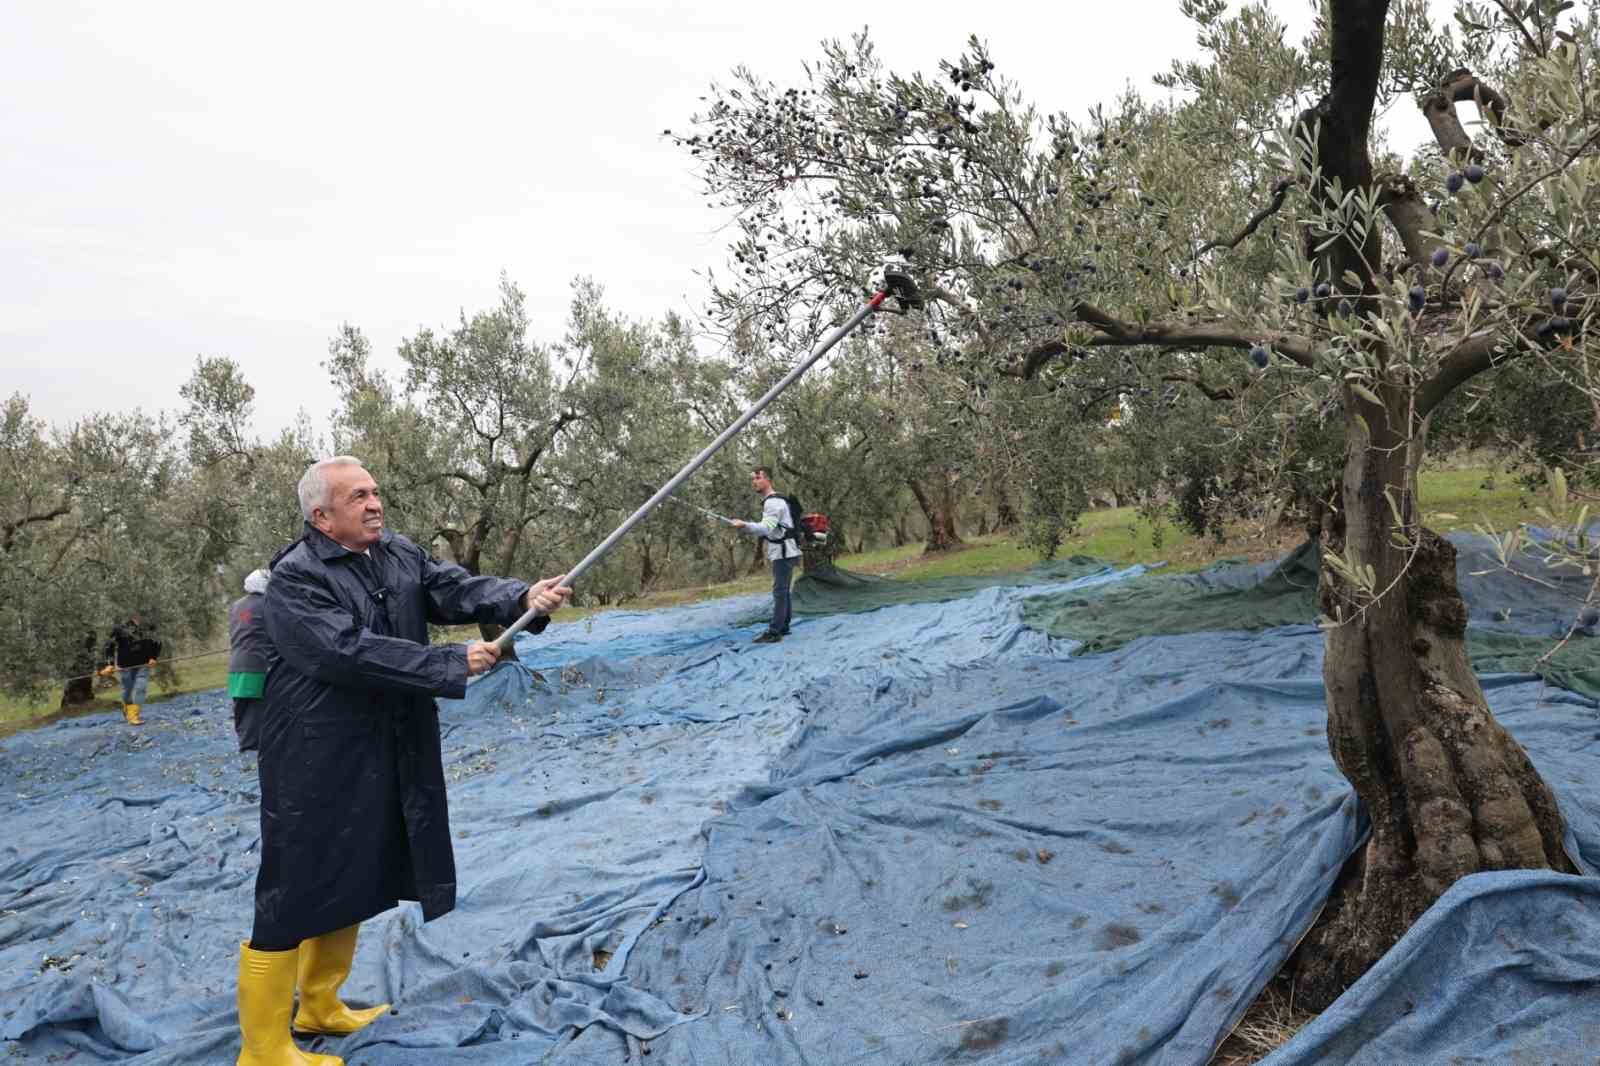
152	662
107	671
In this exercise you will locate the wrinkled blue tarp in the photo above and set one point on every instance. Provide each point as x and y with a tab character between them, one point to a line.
920	834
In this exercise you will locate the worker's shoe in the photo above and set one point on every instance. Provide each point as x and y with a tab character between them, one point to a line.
266	999
324	964
130	711
767	638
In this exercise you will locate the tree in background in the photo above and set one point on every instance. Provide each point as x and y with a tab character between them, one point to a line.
240	491
646	405
512	456
94	528
460	441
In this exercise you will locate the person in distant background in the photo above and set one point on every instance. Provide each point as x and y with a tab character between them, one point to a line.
132	651
778	528
249	656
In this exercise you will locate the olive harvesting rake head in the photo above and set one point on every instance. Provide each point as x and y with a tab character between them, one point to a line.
898	282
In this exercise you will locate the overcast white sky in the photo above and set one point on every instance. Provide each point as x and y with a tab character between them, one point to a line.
185	178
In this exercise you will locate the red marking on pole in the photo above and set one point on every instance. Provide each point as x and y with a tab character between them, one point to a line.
878	299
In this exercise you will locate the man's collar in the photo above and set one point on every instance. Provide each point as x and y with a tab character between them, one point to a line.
328	549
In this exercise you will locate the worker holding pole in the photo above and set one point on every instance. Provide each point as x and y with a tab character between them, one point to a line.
131	652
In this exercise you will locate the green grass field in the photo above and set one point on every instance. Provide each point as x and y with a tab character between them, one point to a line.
1453	499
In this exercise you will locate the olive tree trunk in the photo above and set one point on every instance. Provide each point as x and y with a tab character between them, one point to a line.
1448	790
939	508
79	690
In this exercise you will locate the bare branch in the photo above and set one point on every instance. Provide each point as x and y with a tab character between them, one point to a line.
1469	358
1209	391
1279	191
950	299
1034	359
458	475
1576	264
1221	334
1113	332
1410	216
11	529
565	418
1515	20
1439	108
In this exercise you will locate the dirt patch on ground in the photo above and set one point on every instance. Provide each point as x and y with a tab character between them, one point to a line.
1250	545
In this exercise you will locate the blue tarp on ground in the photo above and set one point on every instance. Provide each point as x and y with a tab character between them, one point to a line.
926	833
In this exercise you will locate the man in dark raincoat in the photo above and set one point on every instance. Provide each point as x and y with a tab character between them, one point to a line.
353	813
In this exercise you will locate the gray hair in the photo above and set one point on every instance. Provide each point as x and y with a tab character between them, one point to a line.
314	489
256	580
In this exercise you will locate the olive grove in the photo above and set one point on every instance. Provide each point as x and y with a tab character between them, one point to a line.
1245	297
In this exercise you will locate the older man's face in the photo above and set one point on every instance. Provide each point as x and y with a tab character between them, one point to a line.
354	514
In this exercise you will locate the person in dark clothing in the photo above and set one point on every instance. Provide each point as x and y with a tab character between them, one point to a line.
131	652
777	528
353	810
249	655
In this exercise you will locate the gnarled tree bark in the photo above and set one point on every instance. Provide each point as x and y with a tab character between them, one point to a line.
938	507
1448	790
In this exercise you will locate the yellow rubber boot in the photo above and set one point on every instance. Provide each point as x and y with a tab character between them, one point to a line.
130	711
266	998
324	964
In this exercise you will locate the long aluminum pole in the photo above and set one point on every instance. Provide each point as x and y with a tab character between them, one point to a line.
703	510
504	640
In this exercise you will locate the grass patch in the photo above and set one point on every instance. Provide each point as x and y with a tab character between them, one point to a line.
197	675
1462	499
979	556
19	708
1122	535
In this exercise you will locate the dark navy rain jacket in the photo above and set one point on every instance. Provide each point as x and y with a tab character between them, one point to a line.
353	811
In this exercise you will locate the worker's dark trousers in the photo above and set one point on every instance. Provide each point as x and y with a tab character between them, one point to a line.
782	572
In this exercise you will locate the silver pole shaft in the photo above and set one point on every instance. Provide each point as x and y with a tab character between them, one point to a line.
504	639
703	510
